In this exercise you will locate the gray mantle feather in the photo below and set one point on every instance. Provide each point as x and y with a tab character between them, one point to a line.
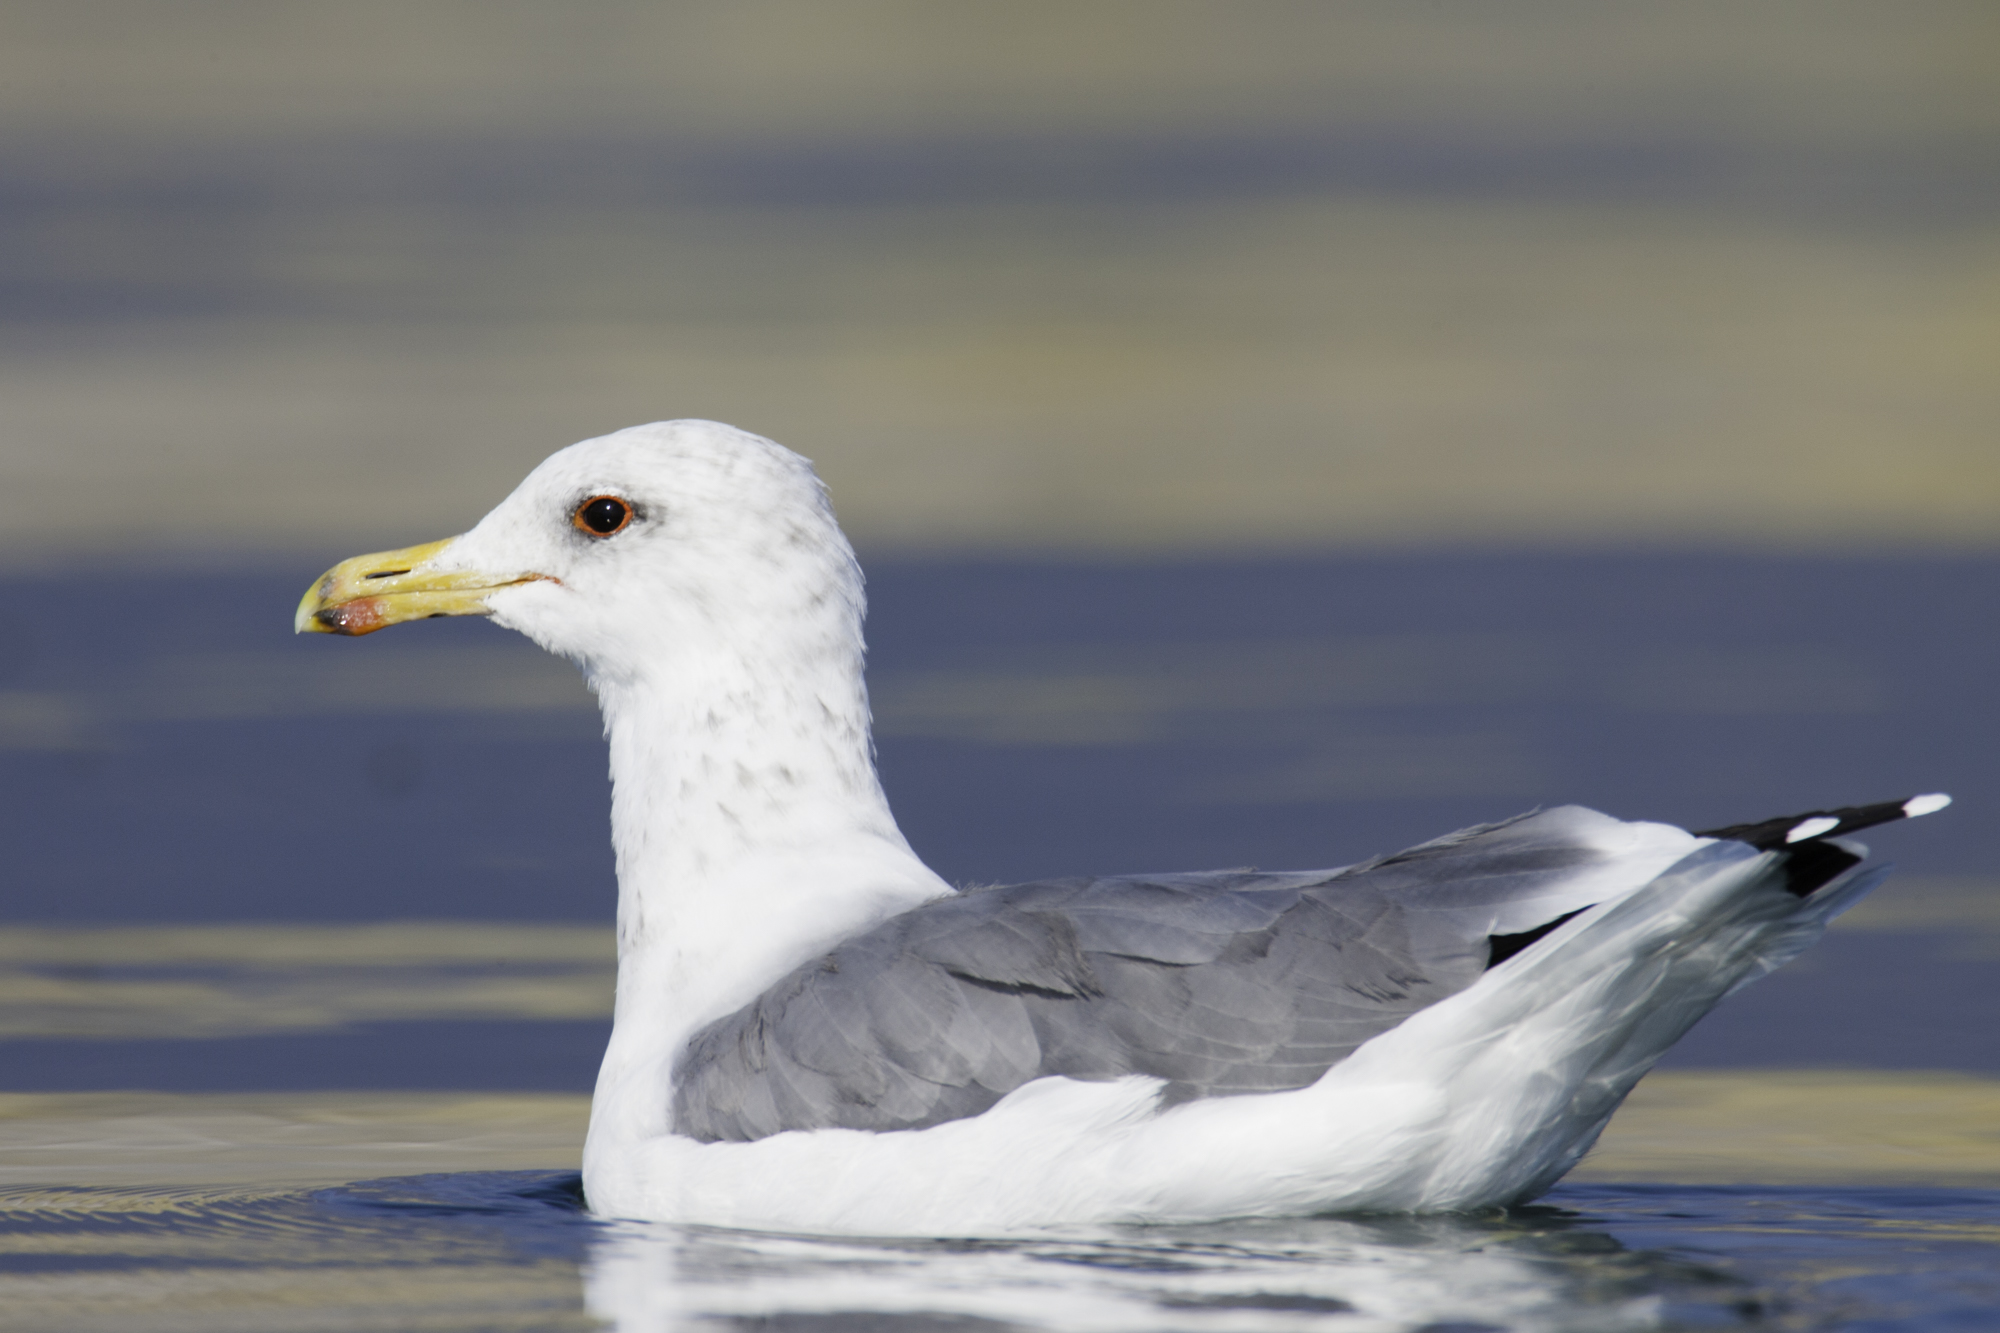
1222	983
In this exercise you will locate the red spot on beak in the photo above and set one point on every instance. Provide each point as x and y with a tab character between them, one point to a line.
360	616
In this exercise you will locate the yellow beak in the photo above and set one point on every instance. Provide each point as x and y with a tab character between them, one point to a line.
362	595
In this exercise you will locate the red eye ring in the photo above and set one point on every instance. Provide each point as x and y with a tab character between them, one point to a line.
602	516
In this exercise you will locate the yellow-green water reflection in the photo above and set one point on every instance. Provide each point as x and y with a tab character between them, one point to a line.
88	982
276	1140
1791	1127
1115	277
214	981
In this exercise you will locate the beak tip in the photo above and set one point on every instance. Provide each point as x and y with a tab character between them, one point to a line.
305	620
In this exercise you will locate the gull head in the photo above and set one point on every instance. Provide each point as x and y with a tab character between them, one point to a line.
625	551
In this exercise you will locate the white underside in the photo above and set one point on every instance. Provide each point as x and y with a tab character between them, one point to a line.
1484	1099
721	631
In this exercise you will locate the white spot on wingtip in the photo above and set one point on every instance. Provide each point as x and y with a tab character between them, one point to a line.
1924	805
1812	828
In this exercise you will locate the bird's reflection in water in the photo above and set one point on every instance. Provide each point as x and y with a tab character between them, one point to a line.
1532	1269
516	1249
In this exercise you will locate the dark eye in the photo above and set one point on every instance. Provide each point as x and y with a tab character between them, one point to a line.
602	515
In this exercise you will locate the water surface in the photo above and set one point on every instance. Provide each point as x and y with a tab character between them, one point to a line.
487	1250
305	960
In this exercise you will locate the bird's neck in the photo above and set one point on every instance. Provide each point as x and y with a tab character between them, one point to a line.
751	831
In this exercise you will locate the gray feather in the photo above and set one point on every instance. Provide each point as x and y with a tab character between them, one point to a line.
1219	984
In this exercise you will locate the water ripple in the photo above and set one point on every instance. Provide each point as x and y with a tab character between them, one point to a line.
516	1250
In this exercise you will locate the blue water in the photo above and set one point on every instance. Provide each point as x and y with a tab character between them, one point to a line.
1701	689
211	768
1320	711
516	1250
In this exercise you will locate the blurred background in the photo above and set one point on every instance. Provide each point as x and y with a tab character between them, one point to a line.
1276	433
1035	277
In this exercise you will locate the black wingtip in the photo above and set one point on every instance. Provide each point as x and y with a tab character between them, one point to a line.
1812	860
1772	835
1502	947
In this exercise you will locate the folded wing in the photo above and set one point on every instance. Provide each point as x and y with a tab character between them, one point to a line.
1217	984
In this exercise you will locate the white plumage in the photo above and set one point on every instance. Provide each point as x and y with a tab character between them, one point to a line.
719	624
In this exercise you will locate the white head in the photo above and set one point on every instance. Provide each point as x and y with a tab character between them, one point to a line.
697	575
638	553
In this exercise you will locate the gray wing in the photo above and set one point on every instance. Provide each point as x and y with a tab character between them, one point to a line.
1218	984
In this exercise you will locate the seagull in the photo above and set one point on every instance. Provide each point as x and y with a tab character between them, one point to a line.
814	1032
